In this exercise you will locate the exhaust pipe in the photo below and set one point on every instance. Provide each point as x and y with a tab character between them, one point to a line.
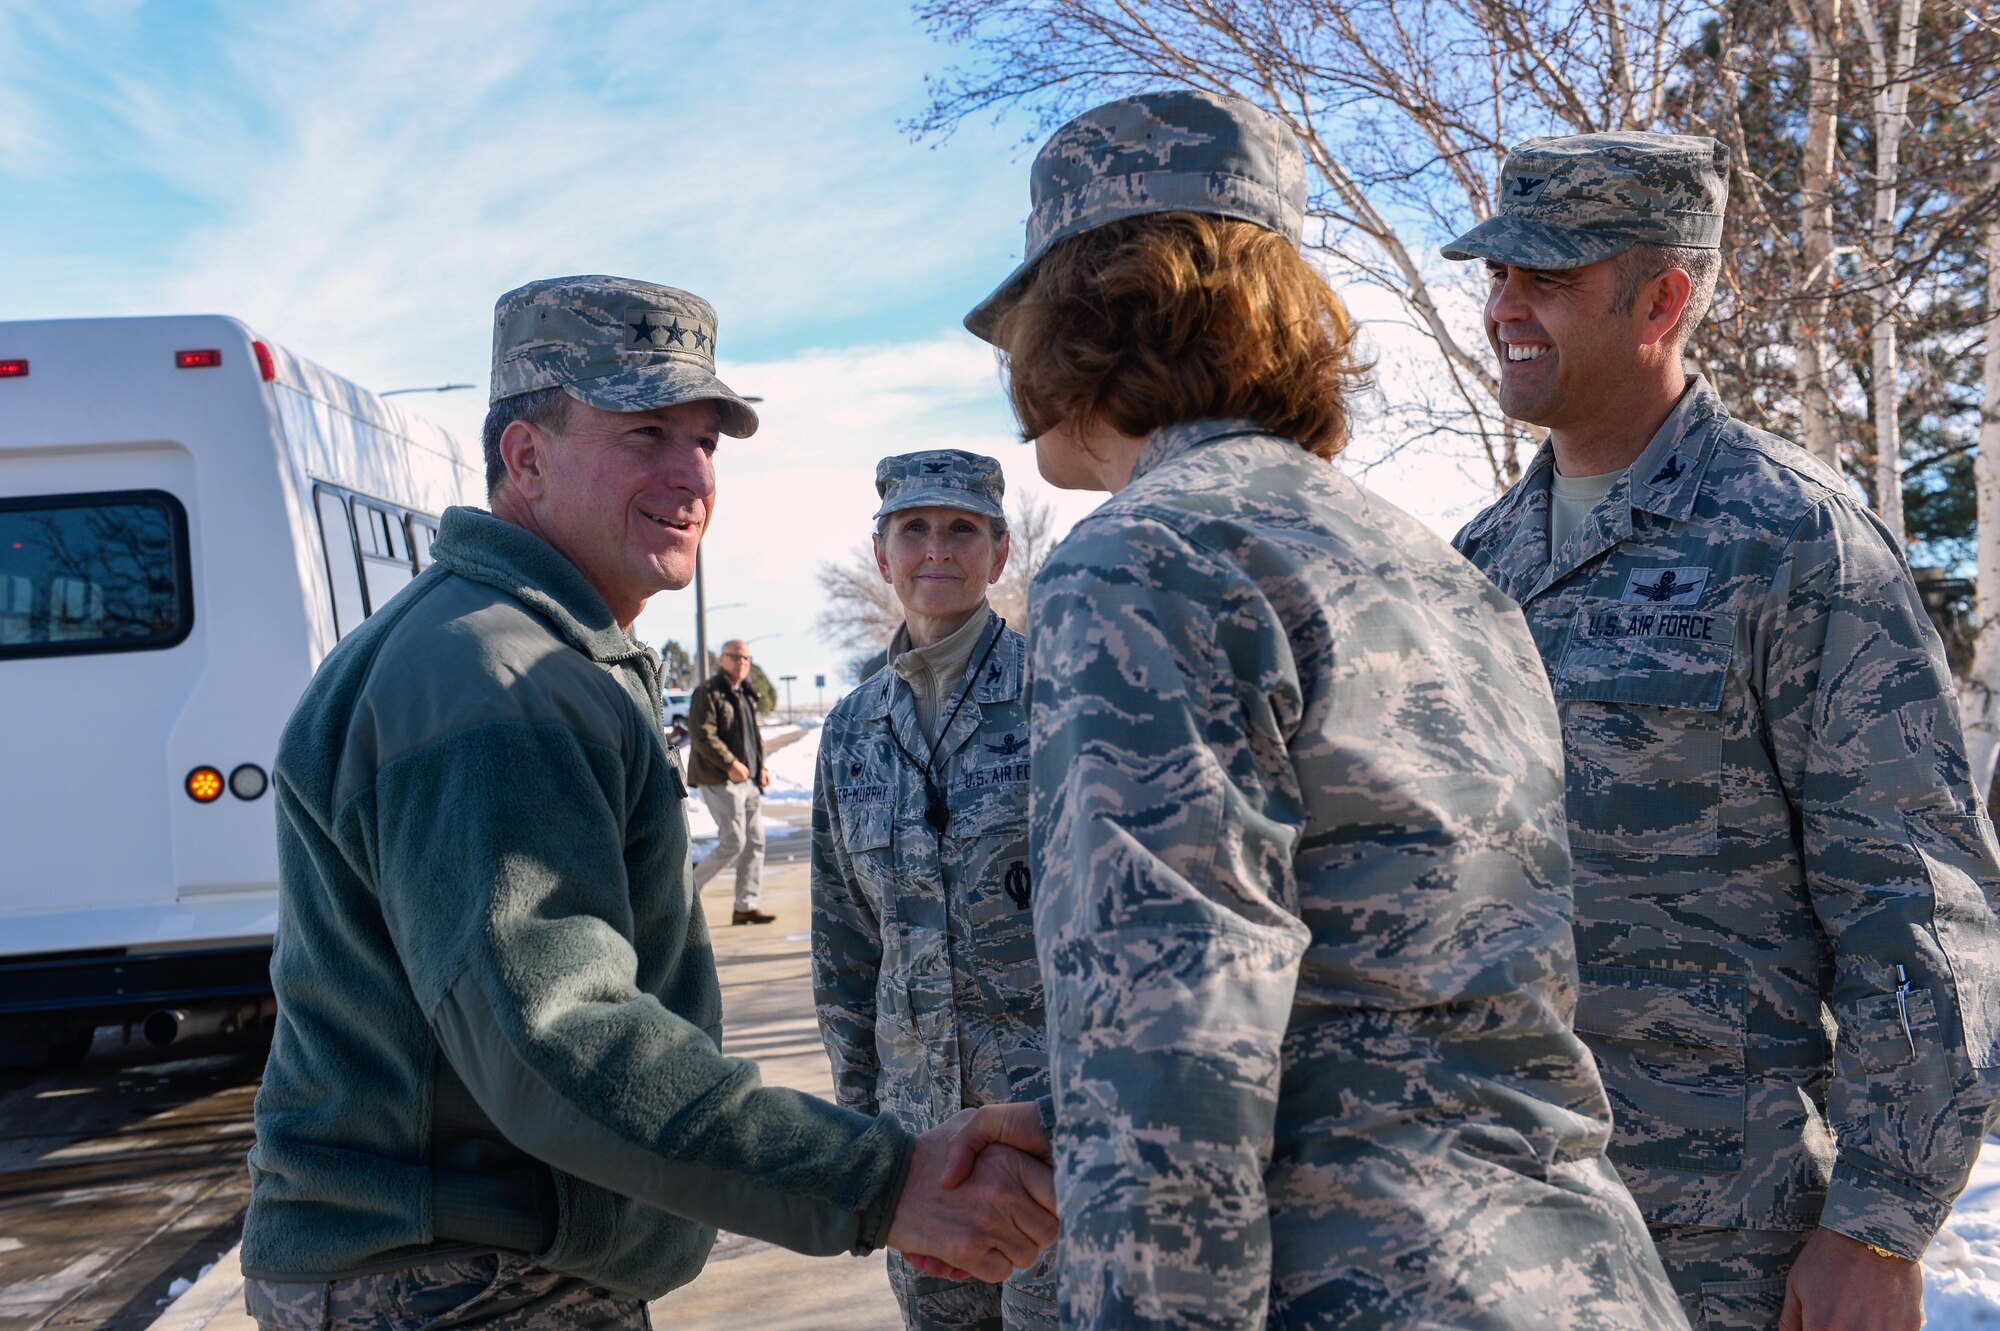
172	1025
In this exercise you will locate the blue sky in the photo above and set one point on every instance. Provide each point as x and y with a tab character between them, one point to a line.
358	179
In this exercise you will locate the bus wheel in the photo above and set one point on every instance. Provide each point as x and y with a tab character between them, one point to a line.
71	1047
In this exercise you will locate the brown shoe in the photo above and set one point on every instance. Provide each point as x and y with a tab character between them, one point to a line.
752	917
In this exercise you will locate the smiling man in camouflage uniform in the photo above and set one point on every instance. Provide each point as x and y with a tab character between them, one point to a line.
1767	791
923	941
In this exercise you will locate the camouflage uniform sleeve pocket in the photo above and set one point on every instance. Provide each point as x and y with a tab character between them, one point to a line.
1884	1103
1640	691
1959	855
1669	1045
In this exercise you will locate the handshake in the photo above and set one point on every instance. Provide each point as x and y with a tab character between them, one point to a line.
979	1201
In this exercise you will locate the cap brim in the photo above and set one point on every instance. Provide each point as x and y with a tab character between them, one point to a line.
1527	243
939	497
655	386
985	316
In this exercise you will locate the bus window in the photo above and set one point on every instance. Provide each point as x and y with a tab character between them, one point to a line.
17	609
423	532
385	558
337	539
93	573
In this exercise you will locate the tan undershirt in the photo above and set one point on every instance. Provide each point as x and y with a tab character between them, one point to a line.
933	672
1570	500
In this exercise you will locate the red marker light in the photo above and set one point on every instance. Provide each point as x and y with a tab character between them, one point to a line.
13	369
197	360
267	365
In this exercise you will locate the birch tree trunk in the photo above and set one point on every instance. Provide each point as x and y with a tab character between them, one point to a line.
1980	697
1889	68
1813	365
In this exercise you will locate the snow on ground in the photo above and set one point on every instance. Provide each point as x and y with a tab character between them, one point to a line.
791	767
1961	1270
1962	1267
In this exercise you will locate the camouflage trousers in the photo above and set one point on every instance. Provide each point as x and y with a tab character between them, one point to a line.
1026	1303
1729	1279
493	1291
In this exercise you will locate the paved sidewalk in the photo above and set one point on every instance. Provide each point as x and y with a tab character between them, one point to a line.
767	1014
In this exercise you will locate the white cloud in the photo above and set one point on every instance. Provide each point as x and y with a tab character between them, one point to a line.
380	173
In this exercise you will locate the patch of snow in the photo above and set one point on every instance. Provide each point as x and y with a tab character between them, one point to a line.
180	1286
701	823
791	768
1962	1266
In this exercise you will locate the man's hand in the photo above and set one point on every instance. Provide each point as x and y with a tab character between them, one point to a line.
737	771
1841	1284
973	1130
764	779
994	1222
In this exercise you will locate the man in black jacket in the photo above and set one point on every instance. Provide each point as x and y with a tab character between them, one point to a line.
726	764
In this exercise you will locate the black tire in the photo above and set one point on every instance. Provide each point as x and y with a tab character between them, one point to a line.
70	1049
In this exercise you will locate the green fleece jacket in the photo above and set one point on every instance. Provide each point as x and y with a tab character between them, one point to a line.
499	1020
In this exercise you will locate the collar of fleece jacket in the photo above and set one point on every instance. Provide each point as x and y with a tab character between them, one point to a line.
474	544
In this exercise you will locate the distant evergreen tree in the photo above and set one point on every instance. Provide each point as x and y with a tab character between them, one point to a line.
676	666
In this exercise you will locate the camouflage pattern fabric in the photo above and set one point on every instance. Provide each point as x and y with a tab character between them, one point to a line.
1303	917
932	1304
495	1291
1570	201
947	477
1160	152
612	343
1729	1279
923	943
1772	820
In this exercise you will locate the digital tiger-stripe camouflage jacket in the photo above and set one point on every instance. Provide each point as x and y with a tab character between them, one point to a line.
1302	907
1772	819
923	943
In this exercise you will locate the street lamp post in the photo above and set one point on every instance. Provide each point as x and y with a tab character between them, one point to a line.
700	622
786	680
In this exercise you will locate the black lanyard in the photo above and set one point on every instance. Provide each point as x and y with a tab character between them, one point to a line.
936	812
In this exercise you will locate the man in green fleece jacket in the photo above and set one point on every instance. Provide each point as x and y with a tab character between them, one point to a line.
497	1097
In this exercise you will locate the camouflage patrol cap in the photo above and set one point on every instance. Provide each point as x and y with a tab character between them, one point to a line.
1159	152
946	477
1566	202
614	344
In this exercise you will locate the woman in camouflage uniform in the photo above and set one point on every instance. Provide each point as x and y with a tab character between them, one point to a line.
923	951
1302	889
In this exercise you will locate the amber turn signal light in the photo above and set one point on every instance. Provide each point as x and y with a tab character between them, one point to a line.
204	785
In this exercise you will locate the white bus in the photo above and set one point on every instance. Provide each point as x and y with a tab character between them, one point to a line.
190	518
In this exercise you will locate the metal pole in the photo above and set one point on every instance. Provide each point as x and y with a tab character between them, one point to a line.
700	622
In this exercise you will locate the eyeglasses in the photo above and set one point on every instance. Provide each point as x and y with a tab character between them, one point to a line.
740	656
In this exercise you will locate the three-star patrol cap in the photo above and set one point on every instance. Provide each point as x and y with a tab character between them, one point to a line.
612	343
1566	202
944	477
1159	152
